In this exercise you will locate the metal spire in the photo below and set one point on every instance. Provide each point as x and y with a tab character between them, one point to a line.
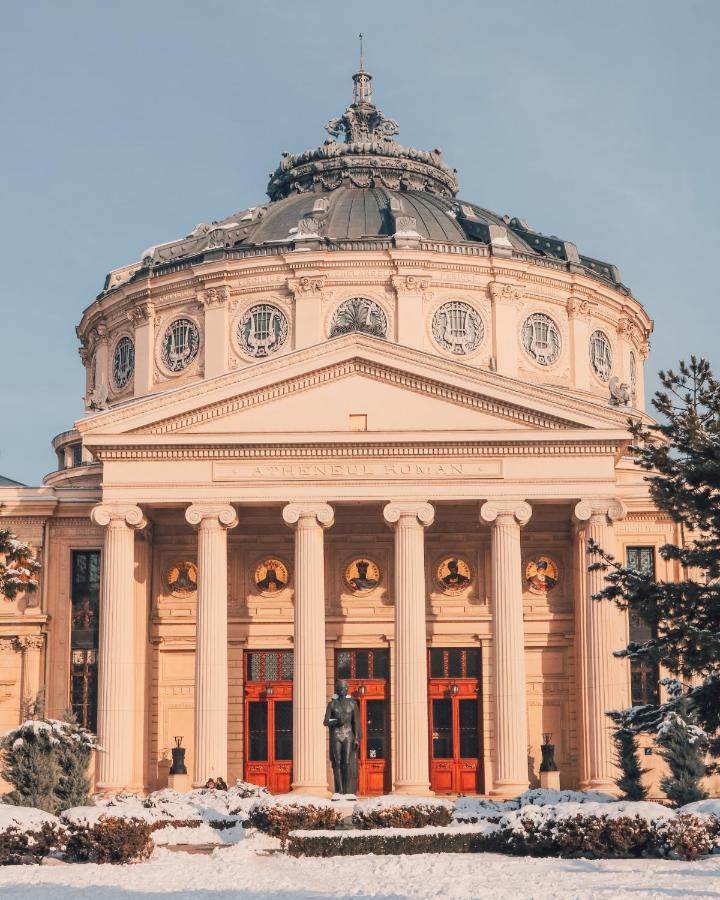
362	86
362	61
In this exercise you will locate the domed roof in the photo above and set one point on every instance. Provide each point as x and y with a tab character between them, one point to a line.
365	192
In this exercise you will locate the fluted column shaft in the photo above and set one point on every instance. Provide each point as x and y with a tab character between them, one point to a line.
412	769
309	741
116	653
210	724
510	773
607	678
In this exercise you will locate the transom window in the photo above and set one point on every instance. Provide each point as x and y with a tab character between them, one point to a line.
123	362
180	344
362	664
644	674
541	339
601	357
269	665
359	315
85	599
454	662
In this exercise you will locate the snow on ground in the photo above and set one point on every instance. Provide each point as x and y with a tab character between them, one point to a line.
253	870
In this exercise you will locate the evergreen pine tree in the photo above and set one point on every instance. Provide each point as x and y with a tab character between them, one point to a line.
626	759
73	754
682	745
681	453
18	566
30	765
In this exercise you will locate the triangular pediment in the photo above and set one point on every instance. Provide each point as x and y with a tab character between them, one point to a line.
318	390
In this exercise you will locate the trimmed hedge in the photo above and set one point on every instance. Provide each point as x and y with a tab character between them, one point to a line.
685	837
110	840
19	847
410	815
279	819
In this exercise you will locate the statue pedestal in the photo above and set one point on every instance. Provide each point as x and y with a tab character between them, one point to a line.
179	783
550	781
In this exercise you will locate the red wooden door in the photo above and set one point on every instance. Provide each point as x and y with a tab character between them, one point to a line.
367	675
268	719
454	715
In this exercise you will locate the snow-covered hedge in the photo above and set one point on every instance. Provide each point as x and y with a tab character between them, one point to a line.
473	809
27	835
282	814
109	840
408	812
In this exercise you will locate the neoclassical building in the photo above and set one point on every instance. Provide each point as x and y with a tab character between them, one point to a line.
363	429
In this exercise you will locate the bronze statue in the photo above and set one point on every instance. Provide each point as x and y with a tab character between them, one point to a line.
342	717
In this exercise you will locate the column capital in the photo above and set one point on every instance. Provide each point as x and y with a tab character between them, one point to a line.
607	508
420	510
493	511
130	515
322	513
30	641
222	513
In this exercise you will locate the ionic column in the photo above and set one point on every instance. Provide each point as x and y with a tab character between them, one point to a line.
510	773
309	741
31	646
412	769
210	723
116	652
606	678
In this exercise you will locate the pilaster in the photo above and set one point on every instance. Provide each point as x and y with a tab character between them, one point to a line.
142	315
215	300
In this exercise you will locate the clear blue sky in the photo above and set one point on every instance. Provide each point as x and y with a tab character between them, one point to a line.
126	123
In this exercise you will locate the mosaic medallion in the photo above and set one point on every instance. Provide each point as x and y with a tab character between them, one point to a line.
181	579
542	574
362	574
271	576
453	574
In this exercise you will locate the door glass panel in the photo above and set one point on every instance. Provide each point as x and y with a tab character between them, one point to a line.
442	729
375	729
283	729
437	668
455	664
362	664
468	715
380	664
258	731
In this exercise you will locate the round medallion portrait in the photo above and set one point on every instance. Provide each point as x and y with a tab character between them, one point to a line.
542	574
362	574
453	574
271	576
181	579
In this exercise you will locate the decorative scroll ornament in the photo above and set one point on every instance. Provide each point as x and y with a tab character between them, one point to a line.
359	315
542	574
181	579
457	327
453	575
262	330
362	574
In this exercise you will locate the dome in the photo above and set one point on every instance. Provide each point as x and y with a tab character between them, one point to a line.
365	191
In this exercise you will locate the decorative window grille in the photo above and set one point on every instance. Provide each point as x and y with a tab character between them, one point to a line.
262	330
541	339
123	362
457	327
644	674
359	315
454	662
180	344
85	597
269	665
601	357
363	664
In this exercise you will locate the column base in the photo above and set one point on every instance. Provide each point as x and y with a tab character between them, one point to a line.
508	790
603	785
413	790
312	790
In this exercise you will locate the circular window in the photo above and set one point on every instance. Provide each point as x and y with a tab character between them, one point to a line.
601	355
180	344
262	330
123	364
359	314
541	339
457	327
